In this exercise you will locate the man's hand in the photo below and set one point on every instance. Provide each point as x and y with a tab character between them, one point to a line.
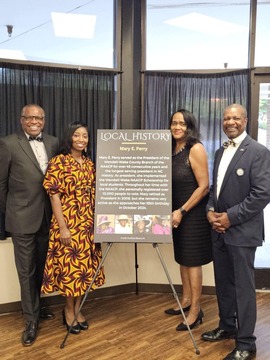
219	221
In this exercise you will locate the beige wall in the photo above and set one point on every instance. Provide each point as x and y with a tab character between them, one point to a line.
119	267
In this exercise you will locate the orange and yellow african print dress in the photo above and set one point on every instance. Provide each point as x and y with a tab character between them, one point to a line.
70	269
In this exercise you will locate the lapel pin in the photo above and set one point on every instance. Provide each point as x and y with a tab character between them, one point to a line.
240	172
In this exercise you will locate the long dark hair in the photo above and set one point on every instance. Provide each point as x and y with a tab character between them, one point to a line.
192	136
66	144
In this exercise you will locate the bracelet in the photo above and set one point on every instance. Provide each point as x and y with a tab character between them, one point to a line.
183	211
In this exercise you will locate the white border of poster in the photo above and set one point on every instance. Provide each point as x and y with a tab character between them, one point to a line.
133	186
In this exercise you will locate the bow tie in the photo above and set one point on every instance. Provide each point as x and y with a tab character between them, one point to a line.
228	143
38	138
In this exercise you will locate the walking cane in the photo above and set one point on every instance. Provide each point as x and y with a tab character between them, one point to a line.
176	297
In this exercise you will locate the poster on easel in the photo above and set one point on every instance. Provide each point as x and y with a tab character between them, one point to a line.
133	186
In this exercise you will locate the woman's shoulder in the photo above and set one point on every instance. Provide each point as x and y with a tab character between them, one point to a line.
197	152
197	147
59	160
89	162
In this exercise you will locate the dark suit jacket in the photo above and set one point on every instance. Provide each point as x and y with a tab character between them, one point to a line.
244	193
22	197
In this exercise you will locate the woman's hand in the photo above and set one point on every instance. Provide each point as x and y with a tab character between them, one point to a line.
176	218
65	236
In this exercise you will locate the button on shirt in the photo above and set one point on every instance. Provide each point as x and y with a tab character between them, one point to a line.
39	150
227	156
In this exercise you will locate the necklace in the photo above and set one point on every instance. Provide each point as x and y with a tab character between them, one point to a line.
178	151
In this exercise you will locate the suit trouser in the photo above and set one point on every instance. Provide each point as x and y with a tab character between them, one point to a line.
30	252
236	294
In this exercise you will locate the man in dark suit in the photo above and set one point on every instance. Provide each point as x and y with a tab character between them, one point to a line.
23	161
240	191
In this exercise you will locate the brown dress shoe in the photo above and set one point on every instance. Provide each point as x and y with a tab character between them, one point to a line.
30	333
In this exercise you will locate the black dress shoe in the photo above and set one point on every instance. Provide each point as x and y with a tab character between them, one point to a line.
176	312
46	314
182	326
241	355
30	333
75	329
218	335
83	325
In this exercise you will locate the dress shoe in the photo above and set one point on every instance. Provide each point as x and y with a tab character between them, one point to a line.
241	355
176	312
46	314
83	325
218	335
30	333
182	326
75	329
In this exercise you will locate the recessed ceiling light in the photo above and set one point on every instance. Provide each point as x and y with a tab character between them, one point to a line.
206	24
73	25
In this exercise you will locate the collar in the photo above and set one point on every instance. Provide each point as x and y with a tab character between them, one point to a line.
28	136
240	138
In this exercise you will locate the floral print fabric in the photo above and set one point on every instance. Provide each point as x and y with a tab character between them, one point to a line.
70	269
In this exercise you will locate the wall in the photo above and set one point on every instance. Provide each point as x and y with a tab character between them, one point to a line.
119	267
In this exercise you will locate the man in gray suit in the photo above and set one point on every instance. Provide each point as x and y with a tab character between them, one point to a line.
23	161
240	191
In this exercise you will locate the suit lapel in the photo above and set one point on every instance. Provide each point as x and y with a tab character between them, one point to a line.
26	147
237	156
215	173
47	144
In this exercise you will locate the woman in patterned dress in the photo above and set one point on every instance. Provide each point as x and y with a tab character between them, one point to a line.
73	257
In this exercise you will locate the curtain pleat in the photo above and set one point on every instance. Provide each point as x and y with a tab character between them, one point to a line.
66	95
206	95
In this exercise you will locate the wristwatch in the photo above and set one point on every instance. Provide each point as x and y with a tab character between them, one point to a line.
183	211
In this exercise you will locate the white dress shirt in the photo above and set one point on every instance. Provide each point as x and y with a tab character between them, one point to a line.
227	156
39	150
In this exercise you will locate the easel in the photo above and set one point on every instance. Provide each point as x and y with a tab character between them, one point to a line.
155	246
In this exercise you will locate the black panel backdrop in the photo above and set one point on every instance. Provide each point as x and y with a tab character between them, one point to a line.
66	95
206	95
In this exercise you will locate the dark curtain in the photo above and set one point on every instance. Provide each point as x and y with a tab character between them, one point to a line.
66	95
206	95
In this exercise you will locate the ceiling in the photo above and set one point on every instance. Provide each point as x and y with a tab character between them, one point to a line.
33	37
201	26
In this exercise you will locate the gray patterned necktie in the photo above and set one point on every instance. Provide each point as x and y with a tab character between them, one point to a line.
228	143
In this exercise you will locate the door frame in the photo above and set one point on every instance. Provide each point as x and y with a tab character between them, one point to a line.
262	275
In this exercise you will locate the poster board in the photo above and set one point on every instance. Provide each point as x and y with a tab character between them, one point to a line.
133	186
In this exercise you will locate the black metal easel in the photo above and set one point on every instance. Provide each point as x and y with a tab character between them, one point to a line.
155	245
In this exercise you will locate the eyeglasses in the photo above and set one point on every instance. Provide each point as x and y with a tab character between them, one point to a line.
33	117
180	123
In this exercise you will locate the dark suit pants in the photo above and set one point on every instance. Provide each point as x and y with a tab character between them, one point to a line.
30	254
236	295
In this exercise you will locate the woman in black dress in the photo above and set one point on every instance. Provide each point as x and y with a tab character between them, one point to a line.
191	230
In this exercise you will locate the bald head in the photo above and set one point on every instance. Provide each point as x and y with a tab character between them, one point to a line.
240	108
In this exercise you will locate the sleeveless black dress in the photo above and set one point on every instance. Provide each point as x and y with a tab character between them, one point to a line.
192	238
